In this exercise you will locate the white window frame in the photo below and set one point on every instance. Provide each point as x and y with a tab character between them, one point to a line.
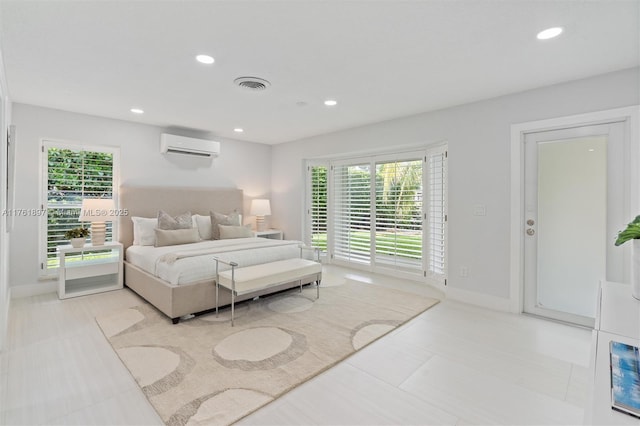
308	203
45	144
427	275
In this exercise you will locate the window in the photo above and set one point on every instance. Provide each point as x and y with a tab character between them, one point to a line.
352	213
399	214
386	212
317	206
71	173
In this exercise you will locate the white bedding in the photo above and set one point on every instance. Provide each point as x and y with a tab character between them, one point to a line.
185	263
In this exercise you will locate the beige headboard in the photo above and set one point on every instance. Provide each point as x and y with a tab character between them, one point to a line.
146	201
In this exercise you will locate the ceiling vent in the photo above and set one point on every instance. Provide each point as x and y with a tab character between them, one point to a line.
252	83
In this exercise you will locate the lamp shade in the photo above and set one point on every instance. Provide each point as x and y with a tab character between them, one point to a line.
97	210
260	207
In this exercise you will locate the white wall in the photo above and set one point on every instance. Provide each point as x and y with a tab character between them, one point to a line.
241	165
478	135
5	120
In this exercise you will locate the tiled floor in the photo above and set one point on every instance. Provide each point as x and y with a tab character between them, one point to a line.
454	364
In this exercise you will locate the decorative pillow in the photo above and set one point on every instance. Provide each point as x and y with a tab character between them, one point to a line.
232	231
182	221
203	223
171	237
143	231
221	219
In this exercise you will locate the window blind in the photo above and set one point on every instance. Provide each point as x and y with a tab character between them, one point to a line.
398	214
437	212
386	211
317	209
352	212
71	175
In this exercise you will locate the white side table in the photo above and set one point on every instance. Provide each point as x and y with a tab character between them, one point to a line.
274	234
89	269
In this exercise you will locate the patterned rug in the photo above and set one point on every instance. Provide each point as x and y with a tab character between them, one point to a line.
203	371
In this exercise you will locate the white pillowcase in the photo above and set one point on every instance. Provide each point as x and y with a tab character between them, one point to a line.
170	237
231	231
144	233
203	223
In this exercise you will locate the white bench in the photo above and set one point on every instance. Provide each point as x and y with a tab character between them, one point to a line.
255	278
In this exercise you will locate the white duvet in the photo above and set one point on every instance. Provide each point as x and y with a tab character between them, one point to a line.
186	263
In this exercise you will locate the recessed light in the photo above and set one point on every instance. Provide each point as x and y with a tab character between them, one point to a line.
238	130
205	59
549	33
591	150
330	102
137	111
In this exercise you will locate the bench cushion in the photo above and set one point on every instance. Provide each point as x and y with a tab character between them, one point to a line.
258	277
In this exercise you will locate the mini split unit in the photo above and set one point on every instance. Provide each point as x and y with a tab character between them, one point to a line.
188	146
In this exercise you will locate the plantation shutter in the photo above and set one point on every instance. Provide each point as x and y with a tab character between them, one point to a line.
398	213
71	174
317	206
387	212
437	214
352	213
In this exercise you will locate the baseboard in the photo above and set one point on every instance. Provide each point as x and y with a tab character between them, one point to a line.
479	299
26	290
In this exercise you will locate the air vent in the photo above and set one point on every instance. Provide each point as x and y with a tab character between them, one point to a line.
252	83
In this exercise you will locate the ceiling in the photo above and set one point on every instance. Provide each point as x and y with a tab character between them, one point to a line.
378	59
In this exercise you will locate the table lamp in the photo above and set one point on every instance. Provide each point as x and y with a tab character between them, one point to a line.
98	211
260	208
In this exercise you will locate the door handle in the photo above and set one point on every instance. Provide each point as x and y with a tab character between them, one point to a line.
531	222
530	231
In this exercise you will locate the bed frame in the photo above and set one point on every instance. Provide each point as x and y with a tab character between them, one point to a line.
176	301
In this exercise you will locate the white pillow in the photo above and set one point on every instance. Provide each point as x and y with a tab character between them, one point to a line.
203	223
232	218
167	222
231	231
144	231
170	237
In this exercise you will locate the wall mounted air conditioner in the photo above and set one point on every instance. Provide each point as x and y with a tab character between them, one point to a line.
188	146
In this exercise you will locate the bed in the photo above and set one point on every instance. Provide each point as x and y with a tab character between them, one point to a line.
179	279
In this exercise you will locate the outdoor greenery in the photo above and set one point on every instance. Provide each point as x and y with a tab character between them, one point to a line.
71	176
398	207
409	246
398	186
319	199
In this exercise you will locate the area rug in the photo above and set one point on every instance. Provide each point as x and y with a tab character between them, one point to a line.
203	371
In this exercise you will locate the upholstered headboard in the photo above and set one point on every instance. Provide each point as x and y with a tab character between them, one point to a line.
146	201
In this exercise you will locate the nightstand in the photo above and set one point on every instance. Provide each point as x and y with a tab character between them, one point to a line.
274	234
89	269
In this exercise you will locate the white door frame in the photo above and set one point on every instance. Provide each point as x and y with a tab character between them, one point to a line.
630	116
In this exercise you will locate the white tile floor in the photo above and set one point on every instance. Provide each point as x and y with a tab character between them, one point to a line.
453	365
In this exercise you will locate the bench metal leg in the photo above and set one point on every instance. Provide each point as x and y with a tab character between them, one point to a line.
217	285
318	289
233	302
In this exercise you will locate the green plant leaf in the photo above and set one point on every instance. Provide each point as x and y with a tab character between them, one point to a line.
632	232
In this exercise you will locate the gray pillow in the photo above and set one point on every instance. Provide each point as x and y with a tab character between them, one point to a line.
182	221
232	219
232	231
165	237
